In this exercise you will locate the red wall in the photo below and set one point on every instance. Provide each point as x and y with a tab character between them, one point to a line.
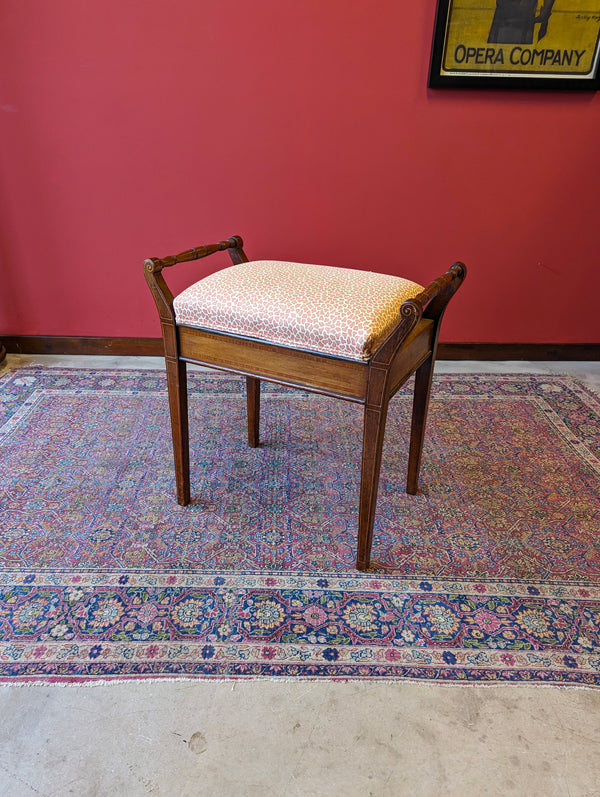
133	129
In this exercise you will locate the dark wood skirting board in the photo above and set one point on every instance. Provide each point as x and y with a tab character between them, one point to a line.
519	351
55	344
153	347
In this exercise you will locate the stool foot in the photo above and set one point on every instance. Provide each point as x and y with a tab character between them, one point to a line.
423	377
373	434
253	402
177	386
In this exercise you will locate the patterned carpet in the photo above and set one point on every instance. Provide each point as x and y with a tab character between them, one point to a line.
490	574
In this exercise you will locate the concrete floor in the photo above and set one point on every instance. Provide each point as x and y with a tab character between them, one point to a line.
301	738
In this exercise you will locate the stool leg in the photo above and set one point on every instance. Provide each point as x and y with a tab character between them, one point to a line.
423	377
178	406
253	401
373	434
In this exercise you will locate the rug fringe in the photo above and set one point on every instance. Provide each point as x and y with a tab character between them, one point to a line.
234	681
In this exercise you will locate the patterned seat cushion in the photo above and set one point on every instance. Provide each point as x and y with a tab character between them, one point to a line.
338	311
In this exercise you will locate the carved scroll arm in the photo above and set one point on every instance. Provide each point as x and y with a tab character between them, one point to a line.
430	303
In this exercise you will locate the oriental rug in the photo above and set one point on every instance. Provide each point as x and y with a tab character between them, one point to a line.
490	575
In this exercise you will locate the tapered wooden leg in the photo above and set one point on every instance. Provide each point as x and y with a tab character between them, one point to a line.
373	434
253	400
178	406
423	377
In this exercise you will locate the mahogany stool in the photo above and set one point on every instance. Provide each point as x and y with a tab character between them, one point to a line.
355	335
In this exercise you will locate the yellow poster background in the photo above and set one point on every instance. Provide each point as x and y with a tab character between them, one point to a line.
522	37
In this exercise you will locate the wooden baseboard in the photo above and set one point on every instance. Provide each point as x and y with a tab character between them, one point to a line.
519	351
153	347
51	344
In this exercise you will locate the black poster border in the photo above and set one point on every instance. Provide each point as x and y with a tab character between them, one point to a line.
516	80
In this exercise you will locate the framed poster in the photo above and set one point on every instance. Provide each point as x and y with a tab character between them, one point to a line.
551	44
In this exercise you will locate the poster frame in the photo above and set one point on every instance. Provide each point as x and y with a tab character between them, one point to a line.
504	80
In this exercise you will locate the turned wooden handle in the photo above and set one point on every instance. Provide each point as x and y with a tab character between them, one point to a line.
155	264
456	271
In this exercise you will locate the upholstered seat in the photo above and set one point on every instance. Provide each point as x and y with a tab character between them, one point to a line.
353	335
337	311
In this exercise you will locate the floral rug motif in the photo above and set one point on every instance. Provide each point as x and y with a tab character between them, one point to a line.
490	574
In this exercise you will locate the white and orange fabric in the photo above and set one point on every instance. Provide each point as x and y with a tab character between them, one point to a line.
338	311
